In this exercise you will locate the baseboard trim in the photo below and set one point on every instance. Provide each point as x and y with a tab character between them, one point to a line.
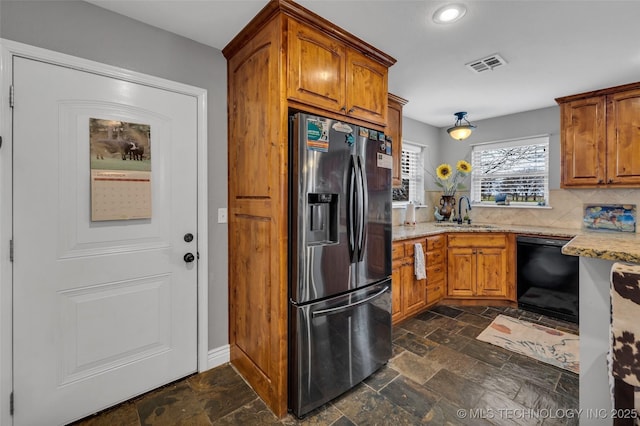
218	356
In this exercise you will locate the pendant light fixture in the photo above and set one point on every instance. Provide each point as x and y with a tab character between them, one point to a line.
461	131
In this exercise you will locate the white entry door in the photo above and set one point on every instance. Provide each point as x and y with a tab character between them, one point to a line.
103	310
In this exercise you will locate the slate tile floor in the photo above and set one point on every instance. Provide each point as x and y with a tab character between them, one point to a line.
437	369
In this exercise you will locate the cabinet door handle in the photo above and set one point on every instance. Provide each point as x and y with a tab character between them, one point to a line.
600	181
352	110
344	108
480	252
610	181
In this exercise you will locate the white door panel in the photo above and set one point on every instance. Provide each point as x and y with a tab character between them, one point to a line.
103	311
80	236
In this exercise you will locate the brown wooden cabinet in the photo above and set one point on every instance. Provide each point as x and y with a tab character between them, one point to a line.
331	68
481	266
435	259
394	132
600	138
397	314
325	72
410	295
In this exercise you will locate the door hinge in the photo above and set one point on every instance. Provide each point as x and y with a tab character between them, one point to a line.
11	404
11	96
11	250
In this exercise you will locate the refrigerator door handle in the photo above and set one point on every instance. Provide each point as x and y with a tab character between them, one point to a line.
351	208
364	207
339	309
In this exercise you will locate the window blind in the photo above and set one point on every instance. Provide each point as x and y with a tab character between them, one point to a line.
411	174
518	169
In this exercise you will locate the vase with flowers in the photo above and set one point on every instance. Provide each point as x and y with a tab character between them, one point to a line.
450	181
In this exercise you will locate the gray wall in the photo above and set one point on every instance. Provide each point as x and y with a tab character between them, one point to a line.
422	134
426	135
529	123
87	31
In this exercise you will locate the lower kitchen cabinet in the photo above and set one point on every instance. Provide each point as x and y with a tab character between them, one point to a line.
410	295
481	266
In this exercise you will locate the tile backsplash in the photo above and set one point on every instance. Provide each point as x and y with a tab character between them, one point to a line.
567	208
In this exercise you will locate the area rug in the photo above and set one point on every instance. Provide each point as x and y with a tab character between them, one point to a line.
542	343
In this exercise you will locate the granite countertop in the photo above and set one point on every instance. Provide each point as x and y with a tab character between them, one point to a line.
623	246
620	246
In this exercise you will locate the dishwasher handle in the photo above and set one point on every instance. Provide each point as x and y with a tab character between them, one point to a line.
542	241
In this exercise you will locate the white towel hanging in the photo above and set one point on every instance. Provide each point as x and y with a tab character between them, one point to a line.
418	262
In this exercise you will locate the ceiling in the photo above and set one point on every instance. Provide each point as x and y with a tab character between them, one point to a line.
552	48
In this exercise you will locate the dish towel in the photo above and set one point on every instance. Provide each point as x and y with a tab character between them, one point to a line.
624	367
418	262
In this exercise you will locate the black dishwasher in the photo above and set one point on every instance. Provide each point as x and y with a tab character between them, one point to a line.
547	279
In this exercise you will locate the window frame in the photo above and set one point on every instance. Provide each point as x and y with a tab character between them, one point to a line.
475	188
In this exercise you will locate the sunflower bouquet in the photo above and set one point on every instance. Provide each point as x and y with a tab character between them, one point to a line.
448	179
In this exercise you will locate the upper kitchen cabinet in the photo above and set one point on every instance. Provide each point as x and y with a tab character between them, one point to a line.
623	138
326	73
600	138
317	68
287	58
394	131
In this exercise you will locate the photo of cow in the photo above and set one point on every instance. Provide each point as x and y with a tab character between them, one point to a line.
115	143
120	170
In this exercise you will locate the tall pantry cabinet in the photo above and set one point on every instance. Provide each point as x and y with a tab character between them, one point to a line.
287	58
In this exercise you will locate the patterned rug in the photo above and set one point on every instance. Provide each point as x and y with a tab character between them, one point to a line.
542	343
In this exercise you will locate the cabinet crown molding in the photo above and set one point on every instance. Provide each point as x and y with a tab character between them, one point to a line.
289	8
599	92
397	99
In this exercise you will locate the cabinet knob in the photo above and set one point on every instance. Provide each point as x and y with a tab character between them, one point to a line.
344	108
352	110
600	181
610	181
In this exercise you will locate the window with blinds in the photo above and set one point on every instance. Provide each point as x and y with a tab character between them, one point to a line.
511	172
411	174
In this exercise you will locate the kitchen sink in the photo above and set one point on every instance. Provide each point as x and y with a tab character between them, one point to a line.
464	225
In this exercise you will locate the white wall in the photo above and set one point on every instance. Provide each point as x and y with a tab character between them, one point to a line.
87	31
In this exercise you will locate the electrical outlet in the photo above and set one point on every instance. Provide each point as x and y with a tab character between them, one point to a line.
222	215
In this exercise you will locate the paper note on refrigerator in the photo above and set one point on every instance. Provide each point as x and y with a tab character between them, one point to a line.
385	161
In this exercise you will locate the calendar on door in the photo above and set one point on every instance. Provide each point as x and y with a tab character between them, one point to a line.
120	170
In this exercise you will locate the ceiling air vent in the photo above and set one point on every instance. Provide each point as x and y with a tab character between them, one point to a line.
486	64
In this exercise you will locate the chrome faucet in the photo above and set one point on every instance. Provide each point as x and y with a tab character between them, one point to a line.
459	219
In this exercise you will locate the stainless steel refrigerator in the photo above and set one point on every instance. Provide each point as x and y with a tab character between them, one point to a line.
340	258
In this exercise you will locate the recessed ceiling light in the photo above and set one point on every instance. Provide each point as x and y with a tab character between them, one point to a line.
449	13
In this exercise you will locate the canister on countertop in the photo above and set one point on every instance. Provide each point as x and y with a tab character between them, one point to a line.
410	215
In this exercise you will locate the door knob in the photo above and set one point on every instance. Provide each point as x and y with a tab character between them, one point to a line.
189	257
188	237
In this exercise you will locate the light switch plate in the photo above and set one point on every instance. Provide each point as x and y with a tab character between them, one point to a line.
222	215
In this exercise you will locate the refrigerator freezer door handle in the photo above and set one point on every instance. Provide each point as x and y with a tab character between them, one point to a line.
364	207
339	309
351	220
